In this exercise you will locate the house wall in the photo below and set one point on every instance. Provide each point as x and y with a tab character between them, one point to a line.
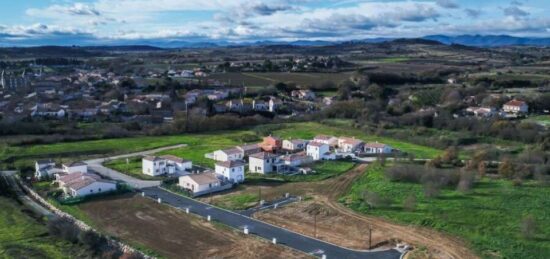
76	169
261	166
94	188
235	174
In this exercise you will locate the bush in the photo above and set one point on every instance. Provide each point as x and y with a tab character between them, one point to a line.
529	227
466	182
374	200
63	228
409	204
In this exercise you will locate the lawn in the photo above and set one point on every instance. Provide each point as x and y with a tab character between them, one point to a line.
132	167
198	144
237	202
488	218
543	120
257	79
321	171
22	236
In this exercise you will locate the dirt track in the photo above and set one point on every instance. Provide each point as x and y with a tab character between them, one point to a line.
173	234
341	225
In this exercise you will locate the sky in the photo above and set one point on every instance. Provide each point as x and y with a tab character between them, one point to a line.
97	22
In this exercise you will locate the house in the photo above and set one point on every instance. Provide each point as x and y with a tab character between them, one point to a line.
319	151
250	149
349	145
303	94
48	111
259	105
329	140
481	111
295	160
84	184
75	167
230	154
199	183
377	148
271	144
232	171
515	106
45	169
235	105
262	163
294	144
274	104
168	164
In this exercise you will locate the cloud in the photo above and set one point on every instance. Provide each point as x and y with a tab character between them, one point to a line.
514	11
264	9
473	13
75	9
449	4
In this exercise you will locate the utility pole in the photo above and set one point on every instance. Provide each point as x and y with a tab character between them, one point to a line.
315	225
370	236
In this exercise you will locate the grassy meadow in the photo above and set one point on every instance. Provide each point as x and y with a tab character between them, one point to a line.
488	217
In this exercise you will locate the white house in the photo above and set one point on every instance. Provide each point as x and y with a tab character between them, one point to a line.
75	167
259	105
274	104
377	148
250	149
155	166
231	154
262	163
515	106
295	160
319	151
329	140
349	145
232	171
45	168
197	183
294	144
84	184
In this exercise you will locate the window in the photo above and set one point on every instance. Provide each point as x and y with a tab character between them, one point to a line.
99	190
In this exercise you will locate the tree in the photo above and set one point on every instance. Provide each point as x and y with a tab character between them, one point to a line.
450	156
529	227
344	91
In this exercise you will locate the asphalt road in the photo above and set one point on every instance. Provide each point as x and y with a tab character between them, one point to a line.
96	165
294	240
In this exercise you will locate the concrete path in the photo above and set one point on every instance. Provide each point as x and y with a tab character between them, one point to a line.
96	165
269	205
285	237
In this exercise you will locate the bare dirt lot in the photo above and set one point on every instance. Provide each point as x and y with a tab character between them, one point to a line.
340	225
173	234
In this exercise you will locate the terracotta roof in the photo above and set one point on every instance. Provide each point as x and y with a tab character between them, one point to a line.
351	141
229	164
375	145
263	155
174	158
69	178
204	178
515	103
316	144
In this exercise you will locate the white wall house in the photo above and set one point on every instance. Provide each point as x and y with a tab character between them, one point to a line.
44	168
348	145
295	160
231	154
262	163
377	148
197	183
155	166
232	171
319	151
83	184
294	144
329	140
515	106
75	167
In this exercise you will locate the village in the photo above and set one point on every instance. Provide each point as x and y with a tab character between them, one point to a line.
272	156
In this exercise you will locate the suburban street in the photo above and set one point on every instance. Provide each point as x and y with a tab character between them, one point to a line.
96	165
285	237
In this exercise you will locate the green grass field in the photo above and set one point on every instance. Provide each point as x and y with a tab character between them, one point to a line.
488	218
543	120
132	168
265	79
21	236
198	144
322	170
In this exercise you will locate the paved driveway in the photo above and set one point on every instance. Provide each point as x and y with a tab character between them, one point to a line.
96	165
294	240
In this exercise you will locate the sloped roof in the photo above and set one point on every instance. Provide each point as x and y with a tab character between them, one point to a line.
202	179
375	145
229	164
174	158
263	155
515	103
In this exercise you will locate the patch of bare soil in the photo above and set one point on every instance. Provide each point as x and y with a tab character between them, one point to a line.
338	224
174	234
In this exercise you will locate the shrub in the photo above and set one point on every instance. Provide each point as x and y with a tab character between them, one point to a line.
466	182
409	204
374	200
63	228
529	227
431	190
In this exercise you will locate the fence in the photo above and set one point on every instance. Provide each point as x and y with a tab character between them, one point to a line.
81	225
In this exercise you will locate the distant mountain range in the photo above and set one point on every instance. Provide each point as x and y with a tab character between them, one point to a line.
466	40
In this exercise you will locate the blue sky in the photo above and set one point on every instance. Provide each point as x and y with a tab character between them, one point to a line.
90	22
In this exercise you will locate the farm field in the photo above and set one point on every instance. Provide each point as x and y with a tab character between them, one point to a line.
488	217
255	79
168	233
22	236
